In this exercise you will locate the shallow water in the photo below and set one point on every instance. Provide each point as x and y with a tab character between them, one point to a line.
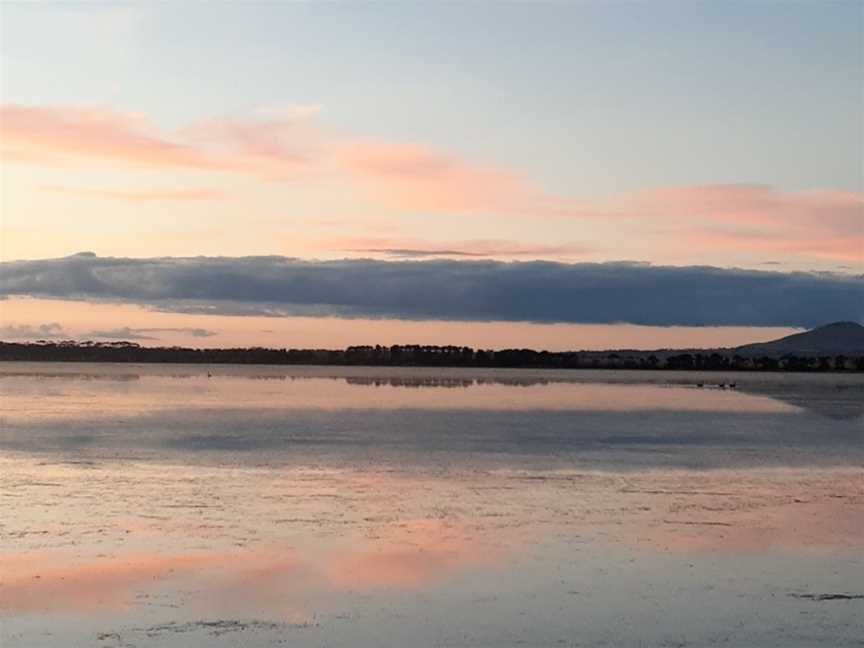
355	507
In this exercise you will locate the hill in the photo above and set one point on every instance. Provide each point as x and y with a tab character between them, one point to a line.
837	338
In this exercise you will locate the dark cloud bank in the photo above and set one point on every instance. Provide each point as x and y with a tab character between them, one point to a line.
449	289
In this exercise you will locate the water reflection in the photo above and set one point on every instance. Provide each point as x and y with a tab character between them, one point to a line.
415	554
151	551
107	390
50	582
155	506
483	440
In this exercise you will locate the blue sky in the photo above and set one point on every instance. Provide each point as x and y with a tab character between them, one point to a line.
590	97
685	134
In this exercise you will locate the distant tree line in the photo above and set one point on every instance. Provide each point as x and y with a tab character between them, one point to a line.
416	355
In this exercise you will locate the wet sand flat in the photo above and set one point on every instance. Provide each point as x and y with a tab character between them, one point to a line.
157	506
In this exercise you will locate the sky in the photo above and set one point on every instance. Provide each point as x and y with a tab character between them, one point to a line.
547	174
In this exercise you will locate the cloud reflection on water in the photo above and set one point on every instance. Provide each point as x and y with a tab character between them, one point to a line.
412	554
387	532
226	499
43	582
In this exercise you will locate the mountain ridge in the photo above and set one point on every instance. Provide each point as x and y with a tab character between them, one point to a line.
837	337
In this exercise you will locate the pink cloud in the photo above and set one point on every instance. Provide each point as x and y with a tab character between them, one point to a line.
286	145
141	196
278	146
756	205
76	136
421	178
275	146
67	135
426	179
824	224
848	248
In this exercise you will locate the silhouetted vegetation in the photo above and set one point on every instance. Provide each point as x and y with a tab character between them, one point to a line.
429	356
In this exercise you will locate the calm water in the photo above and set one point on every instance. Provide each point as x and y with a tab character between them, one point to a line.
327	507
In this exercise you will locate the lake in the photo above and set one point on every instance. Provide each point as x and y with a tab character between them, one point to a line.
180	505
